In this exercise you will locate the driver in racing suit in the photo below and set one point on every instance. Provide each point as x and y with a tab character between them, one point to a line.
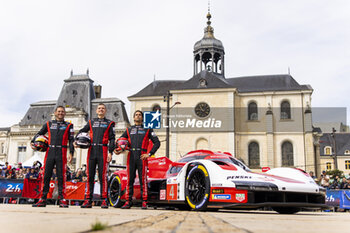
100	153
139	139
60	133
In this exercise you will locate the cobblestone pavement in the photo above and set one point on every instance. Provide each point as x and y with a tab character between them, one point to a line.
24	218
177	222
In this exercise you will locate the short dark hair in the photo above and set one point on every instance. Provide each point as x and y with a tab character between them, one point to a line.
60	106
101	104
139	112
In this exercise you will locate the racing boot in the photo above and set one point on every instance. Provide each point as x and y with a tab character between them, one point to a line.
86	204
144	205
127	205
63	203
104	204
40	203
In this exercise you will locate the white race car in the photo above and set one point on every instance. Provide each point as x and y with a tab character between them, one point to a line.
204	179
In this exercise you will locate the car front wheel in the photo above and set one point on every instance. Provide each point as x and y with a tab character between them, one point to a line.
197	188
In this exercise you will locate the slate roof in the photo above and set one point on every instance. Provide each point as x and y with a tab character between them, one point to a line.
115	109
281	82
38	113
78	92
342	141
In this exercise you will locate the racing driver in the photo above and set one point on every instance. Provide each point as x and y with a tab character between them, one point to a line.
100	153
139	139
60	132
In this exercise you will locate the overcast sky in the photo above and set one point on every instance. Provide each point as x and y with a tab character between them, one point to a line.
125	43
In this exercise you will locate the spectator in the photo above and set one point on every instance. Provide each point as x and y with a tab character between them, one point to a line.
335	184
311	173
84	170
11	173
2	175
347	185
68	174
343	183
54	174
78	176
32	174
324	182
19	166
20	174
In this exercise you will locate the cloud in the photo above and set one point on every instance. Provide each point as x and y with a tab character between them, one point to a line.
124	44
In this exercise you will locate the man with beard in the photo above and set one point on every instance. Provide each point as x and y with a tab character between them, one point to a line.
60	132
139	139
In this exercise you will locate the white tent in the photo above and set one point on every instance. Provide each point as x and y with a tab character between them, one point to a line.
31	160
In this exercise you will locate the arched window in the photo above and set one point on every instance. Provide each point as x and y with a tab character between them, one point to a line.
202	144
253	155
252	111
287	154
285	110
156	107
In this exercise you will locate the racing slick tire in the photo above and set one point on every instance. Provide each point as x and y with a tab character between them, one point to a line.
115	192
286	210
197	187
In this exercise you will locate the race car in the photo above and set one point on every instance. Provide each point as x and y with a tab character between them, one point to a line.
203	179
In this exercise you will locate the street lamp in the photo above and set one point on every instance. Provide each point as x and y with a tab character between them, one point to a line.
167	99
334	149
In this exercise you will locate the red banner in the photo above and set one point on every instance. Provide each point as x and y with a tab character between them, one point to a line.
74	191
31	188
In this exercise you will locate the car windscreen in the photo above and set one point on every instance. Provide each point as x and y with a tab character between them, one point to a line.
240	164
191	158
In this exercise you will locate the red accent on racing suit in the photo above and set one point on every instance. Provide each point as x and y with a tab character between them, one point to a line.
102	141
60	133
139	139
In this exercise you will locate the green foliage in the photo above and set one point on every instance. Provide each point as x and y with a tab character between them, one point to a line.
335	172
98	226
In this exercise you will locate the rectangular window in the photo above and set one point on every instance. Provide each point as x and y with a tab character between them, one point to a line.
347	164
21	154
329	166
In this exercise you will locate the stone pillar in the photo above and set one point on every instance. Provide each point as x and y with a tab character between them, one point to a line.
270	157
212	62
223	64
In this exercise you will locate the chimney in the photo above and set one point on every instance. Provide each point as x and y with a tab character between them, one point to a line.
98	90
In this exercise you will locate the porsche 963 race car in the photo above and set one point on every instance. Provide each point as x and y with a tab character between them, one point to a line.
204	179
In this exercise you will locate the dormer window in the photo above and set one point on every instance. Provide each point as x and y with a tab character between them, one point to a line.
203	83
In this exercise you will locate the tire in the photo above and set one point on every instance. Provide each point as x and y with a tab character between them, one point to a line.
115	192
197	188
286	210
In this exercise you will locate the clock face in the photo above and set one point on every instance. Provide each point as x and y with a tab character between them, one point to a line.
202	109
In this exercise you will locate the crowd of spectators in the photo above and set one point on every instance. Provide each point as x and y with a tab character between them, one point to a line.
19	172
329	182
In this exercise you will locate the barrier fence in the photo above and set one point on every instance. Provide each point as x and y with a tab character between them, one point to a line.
30	188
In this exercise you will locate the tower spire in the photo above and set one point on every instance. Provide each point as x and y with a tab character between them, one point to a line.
209	52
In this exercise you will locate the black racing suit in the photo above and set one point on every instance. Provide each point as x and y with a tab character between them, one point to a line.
60	133
101	132
139	138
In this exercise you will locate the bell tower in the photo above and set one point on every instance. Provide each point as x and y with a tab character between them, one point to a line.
209	53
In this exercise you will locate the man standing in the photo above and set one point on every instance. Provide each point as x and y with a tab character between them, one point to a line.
100	153
139	139
60	132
